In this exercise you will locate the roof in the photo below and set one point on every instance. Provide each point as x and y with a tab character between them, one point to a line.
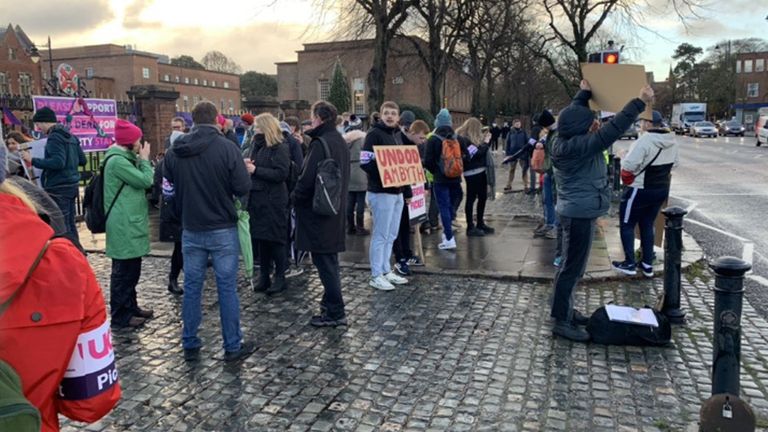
24	40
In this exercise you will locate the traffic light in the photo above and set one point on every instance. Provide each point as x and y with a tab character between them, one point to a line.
594	58
610	57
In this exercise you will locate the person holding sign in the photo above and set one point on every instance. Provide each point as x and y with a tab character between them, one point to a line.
583	194
386	202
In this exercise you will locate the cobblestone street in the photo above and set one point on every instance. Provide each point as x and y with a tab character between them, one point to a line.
443	353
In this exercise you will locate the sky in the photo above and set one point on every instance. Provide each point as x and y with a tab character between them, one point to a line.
258	33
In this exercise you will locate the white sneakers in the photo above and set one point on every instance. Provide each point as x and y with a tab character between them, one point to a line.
447	244
387	282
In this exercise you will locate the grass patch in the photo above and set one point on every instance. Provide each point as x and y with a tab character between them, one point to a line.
698	270
662	425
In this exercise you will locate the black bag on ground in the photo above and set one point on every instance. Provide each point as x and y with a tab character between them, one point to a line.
328	187
93	202
607	332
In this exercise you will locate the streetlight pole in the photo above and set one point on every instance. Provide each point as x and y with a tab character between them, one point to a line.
50	58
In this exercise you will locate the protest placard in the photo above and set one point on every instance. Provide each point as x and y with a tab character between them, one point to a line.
399	165
417	209
613	85
93	124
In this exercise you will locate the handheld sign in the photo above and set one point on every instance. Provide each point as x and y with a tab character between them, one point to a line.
399	165
417	208
613	85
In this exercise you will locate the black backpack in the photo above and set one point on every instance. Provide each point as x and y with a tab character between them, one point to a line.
328	185
607	332
93	202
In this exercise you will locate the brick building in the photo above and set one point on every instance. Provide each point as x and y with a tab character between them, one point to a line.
308	78
751	86
19	75
111	70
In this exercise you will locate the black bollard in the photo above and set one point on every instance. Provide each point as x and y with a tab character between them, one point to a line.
729	290
673	251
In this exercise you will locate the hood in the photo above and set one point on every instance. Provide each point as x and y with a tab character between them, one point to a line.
64	133
661	138
353	135
22	236
119	151
445	132
576	118
320	130
384	128
196	141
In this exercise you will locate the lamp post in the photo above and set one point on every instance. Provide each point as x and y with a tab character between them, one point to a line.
726	50
51	83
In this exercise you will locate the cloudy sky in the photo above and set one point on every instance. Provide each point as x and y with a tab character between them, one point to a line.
258	33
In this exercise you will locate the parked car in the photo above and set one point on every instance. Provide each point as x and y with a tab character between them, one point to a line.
730	127
703	128
761	130
630	133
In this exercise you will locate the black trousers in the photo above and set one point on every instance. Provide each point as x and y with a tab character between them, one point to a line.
177	262
477	189
356	207
433	213
577	243
272	252
402	245
332	303
122	290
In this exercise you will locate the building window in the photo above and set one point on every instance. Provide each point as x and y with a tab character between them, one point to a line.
197	82
226	84
89	72
4	89
231	106
213	83
177	79
11	54
186	103
747	66
145	73
323	89
167	77
195	100
358	95
25	84
222	105
760	65
738	66
205	83
186	80
753	90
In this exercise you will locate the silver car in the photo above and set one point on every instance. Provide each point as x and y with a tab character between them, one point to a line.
703	128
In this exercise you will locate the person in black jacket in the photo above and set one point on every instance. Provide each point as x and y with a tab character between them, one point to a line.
268	201
386	203
475	160
516	150
207	171
321	235
583	194
170	225
60	177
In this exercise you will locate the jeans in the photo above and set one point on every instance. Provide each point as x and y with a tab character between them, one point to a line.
387	210
64	197
513	167
447	194
577	243
402	245
122	290
548	200
640	207
223	247
332	304
477	189
177	262
356	204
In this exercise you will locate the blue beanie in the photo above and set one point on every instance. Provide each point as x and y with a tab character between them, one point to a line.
443	118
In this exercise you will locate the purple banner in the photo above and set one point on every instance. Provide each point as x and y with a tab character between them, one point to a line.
86	122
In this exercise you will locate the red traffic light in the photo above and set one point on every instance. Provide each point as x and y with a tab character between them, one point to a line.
611	57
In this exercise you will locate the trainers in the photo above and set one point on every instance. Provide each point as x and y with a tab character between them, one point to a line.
579	318
475	232
191	354
646	269
558	261
293	272
392	278
486	229
246	349
415	261
362	231
326	321
447	244
569	331
402	268
624	267
538	228
381	283
551	234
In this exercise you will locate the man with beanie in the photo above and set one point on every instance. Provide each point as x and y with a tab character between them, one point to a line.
546	122
60	177
447	190
583	194
127	176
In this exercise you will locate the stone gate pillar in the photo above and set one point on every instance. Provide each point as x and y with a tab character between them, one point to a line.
155	107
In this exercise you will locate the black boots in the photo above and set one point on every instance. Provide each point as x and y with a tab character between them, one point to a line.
173	287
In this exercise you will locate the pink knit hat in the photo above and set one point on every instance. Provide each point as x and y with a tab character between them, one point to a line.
126	133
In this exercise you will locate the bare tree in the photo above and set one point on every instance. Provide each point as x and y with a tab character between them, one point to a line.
219	62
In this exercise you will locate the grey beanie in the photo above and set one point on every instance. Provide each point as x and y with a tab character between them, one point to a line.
443	118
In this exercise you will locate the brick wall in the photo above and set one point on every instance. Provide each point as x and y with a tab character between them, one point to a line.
20	63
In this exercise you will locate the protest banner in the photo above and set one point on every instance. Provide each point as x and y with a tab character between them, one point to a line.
92	121
613	85
399	165
417	209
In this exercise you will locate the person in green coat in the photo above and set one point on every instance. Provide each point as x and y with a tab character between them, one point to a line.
127	176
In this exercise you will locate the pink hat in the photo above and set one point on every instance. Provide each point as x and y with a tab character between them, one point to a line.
126	133
221	120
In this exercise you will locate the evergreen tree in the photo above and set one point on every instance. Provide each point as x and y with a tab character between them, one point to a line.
339	92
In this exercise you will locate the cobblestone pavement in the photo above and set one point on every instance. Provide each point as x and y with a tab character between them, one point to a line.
443	353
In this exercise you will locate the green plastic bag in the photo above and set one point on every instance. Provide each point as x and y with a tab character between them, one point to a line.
244	235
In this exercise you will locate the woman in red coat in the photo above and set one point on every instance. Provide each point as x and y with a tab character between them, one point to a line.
54	330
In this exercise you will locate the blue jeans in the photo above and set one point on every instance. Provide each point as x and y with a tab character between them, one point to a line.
548	199
447	194
640	207
223	247
386	210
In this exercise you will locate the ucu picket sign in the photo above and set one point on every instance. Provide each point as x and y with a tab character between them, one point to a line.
91	369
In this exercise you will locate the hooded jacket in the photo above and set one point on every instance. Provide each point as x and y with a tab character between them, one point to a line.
434	152
577	157
358	180
207	172
61	159
379	135
128	223
642	152
60	308
268	200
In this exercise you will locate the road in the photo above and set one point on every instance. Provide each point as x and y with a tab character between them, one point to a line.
724	181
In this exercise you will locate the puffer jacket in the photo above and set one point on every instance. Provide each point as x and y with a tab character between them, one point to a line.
577	156
61	159
643	151
358	179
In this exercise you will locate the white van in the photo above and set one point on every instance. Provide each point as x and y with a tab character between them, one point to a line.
761	130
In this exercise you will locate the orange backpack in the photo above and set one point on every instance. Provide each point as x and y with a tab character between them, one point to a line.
451	162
